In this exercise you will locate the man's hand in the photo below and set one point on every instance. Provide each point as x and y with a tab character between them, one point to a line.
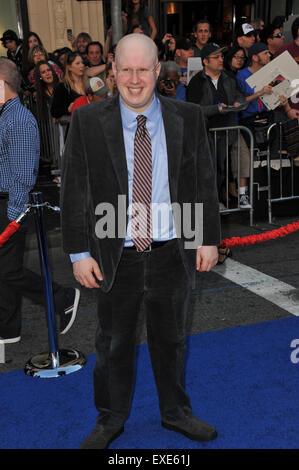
72	40
85	270
70	107
169	91
283	100
221	106
166	37
183	80
206	258
266	90
293	114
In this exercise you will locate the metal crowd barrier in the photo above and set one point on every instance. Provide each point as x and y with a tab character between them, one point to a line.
284	161
225	131
53	136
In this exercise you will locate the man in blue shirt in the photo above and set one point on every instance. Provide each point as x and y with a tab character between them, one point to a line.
131	148
19	160
183	51
258	55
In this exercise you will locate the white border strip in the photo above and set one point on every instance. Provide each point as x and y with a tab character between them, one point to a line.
271	289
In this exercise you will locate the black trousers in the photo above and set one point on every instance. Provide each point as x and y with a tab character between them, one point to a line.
17	281
157	278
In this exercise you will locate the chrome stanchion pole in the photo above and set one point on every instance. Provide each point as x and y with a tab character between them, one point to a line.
55	362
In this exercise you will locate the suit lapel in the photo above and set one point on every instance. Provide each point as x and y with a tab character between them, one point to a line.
112	125
173	125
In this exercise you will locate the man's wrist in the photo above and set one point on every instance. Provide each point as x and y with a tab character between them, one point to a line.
79	256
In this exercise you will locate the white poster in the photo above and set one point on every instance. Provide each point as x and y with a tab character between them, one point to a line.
282	74
194	66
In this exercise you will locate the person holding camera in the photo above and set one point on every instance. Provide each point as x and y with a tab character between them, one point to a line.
183	51
169	81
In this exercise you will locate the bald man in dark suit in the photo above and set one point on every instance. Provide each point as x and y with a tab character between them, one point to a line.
131	149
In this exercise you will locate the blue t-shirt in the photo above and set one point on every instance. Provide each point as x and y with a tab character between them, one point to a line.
256	106
180	92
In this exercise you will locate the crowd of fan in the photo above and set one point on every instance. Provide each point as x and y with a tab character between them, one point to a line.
81	73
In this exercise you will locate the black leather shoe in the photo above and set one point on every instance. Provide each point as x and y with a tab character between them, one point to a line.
101	437
193	428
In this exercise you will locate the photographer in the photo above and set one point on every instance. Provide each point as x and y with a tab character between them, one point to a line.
169	81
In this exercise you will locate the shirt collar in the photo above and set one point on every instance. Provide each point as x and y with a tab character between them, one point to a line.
208	76
129	116
10	103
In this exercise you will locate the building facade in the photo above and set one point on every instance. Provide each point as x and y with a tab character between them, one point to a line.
51	19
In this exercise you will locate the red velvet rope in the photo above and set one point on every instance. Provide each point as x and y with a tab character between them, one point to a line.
225	243
8	232
262	237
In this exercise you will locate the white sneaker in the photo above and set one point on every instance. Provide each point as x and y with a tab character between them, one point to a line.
5	340
244	201
68	315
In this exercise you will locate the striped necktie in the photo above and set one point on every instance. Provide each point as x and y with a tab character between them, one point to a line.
142	187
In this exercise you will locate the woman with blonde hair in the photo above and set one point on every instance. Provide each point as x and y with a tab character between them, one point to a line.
71	87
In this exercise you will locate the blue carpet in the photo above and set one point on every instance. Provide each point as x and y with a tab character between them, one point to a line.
241	380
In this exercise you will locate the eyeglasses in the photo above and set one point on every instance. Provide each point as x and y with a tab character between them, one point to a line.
239	57
278	35
38	54
216	57
142	72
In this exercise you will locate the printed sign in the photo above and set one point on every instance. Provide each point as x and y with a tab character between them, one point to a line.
194	66
282	74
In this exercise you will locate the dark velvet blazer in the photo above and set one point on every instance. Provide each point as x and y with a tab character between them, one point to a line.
94	171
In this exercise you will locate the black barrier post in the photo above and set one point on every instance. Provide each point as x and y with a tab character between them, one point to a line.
54	363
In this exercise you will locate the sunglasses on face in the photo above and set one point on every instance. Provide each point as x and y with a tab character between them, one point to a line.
278	35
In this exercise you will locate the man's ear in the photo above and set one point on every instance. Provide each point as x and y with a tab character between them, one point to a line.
158	69
114	69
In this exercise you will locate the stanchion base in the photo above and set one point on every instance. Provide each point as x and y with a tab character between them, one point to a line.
40	365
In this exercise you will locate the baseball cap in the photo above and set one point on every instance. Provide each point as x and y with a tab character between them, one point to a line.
209	49
256	49
95	86
244	30
183	43
9	35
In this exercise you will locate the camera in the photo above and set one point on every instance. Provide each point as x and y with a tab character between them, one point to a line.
168	83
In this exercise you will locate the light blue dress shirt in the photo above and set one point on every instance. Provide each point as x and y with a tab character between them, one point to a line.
162	217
